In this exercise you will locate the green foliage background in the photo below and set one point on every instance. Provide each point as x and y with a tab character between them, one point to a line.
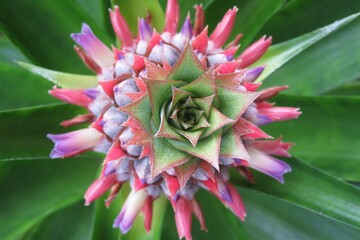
41	198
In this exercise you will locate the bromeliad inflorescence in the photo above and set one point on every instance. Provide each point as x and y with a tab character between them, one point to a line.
173	112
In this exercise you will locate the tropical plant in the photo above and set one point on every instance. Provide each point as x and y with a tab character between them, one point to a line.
314	52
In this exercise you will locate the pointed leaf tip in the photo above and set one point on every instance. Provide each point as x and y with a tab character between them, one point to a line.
65	80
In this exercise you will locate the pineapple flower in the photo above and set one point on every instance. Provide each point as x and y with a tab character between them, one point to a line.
173	112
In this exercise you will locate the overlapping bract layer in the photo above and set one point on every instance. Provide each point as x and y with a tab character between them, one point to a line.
173	113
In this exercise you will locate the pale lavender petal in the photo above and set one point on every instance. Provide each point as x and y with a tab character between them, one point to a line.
145	30
110	167
134	203
267	164
186	29
252	74
75	142
92	93
97	50
224	192
260	119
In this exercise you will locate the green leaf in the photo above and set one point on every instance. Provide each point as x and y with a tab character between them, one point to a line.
165	155
32	190
99	12
24	131
239	100
307	15
272	218
132	10
187	6
326	134
188	67
339	64
18	84
348	89
41	30
105	217
279	54
220	222
140	110
251	17
138	231
65	80
159	93
267	218
232	146
76	223
202	87
216	120
314	190
207	148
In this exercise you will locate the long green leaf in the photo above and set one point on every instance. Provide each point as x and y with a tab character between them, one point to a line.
65	80
24	131
31	190
251	17
105	219
76	223
267	218
279	54
339	65
298	17
326	134
271	218
221	223
349	89
18	85
132	10
138	230
41	30
314	190
188	6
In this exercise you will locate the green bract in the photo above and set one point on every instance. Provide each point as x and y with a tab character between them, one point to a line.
191	115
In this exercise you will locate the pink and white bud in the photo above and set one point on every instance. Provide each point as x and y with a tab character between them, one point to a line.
93	47
83	118
270	92
172	16
254	52
234	42
279	113
236	205
172	184
230	52
199	19
99	187
121	28
72	96
200	42
274	147
267	164
148	213
89	62
132	206
72	143
252	114
198	213
183	210
223	29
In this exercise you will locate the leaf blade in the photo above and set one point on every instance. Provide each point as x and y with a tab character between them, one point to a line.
279	54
